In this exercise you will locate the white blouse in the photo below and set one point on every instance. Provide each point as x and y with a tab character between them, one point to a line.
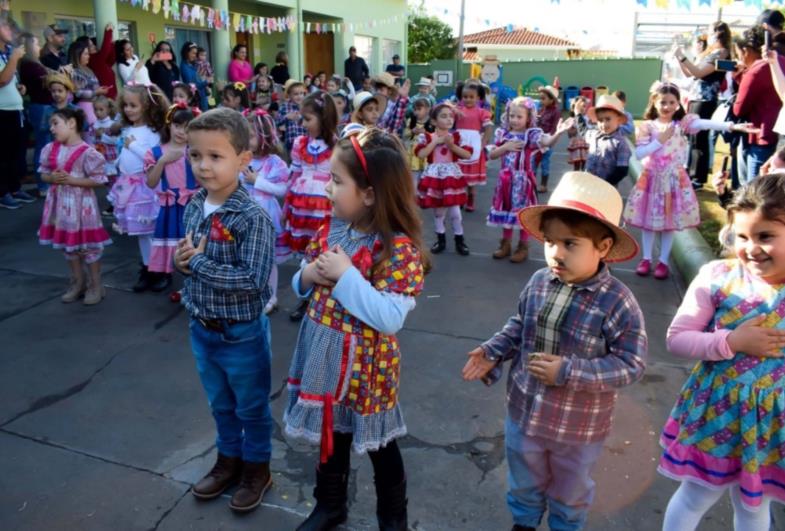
129	73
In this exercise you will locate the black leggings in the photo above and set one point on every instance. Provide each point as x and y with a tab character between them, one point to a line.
699	162
387	461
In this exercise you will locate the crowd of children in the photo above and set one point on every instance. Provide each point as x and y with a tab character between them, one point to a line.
321	173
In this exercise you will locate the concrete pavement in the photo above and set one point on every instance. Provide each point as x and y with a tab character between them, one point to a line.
104	425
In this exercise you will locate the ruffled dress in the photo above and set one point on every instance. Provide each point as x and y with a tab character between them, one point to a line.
470	123
345	375
442	183
271	183
71	220
578	148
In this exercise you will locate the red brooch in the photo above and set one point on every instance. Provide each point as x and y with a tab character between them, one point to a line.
218	232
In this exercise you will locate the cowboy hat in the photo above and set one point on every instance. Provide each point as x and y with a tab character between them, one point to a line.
551	91
583	192
423	82
385	78
361	98
608	102
289	83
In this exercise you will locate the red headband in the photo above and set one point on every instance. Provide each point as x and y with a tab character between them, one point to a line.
360	155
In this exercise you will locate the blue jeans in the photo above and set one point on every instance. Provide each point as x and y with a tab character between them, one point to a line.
751	158
41	135
545	164
234	366
545	474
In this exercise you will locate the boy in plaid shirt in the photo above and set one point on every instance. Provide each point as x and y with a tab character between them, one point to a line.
290	121
225	292
577	337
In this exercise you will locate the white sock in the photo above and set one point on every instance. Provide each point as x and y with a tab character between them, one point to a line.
455	219
666	243
688	505
746	520
647	242
438	219
145	245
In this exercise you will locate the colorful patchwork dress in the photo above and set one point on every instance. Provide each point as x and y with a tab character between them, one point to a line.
306	204
442	183
341	362
516	186
471	123
728	425
663	198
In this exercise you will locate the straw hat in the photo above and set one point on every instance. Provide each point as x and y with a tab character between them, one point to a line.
423	82
361	98
289	83
583	192
550	90
62	79
609	102
385	78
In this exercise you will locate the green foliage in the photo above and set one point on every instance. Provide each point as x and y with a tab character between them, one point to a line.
429	38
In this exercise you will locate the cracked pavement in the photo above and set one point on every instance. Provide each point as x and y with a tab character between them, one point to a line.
104	425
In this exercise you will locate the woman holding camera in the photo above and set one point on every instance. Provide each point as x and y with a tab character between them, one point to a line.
163	68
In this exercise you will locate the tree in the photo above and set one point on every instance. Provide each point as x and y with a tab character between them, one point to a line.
429	38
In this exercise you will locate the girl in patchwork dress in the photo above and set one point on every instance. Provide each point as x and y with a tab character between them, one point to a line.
71	220
578	148
267	179
361	273
726	431
169	174
516	186
663	200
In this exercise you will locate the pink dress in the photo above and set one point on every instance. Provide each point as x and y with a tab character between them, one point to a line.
271	183
470	123
240	71
663	198
442	184
71	220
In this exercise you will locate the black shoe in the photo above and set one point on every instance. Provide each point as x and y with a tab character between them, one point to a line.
517	527
391	507
108	212
440	245
460	246
160	281
331	495
143	283
299	312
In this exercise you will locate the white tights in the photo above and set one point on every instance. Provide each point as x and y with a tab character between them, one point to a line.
455	219
145	246
666	242
691	501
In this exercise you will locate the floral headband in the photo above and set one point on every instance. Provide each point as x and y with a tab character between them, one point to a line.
191	86
239	85
152	89
179	106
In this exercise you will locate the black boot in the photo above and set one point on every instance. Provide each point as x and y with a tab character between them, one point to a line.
160	281
143	283
299	312
517	527
440	245
391	507
331	495
460	245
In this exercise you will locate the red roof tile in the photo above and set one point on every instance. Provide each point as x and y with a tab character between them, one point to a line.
516	37
472	57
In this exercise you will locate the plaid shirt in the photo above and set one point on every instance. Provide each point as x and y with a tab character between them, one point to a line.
393	117
292	128
548	118
598	328
606	152
229	280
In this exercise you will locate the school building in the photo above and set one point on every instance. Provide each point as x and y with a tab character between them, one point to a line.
319	40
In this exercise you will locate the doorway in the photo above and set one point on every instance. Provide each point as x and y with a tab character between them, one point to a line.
319	53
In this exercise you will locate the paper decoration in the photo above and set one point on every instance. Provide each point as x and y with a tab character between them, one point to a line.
146	5
156	6
210	18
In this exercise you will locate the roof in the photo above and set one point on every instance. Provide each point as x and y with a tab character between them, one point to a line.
516	37
472	57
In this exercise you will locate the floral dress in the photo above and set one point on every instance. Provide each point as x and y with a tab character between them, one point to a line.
271	182
71	220
344	375
516	186
663	198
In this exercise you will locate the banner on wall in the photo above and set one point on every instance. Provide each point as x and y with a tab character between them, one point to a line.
241	22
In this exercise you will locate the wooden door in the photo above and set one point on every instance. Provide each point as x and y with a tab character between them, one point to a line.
245	39
319	53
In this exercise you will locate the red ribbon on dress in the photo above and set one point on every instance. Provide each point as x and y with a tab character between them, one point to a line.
326	447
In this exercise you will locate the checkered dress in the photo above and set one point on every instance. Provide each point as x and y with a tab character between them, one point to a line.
292	128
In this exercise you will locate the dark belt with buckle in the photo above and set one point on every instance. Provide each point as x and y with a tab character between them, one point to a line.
216	325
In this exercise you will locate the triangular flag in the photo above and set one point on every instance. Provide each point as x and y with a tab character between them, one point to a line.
725	3
662	4
210	18
156	6
683	3
186	16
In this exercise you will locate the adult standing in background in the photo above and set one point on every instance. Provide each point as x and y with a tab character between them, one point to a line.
102	60
85	80
355	68
396	69
280	72
31	75
53	56
163	69
708	83
772	21
239	67
130	68
191	76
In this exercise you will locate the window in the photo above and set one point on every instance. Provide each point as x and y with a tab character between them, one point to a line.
178	36
364	47
390	48
77	27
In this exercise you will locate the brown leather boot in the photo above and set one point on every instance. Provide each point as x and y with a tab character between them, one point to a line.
504	249
521	253
255	481
224	474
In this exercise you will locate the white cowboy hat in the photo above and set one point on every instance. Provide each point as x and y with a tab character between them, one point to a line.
551	91
423	82
609	102
361	98
586	193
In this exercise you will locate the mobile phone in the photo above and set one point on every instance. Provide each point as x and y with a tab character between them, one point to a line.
164	56
725	163
766	40
725	66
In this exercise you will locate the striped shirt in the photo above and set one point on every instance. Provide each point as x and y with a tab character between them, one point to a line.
229	280
597	327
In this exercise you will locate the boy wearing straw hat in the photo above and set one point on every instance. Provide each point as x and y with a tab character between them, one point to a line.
577	337
609	151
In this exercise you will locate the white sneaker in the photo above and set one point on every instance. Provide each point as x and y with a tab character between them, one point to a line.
271	306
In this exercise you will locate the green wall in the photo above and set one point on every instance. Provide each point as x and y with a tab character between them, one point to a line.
633	76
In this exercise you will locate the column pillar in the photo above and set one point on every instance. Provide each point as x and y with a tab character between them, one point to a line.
294	43
221	44
105	13
378	62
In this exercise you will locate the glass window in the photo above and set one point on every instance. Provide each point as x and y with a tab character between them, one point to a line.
390	48
86	26
178	36
364	47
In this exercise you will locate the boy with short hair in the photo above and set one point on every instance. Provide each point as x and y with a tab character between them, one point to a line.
227	256
577	337
609	151
628	127
290	121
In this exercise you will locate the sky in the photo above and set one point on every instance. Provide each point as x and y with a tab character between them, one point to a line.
599	24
